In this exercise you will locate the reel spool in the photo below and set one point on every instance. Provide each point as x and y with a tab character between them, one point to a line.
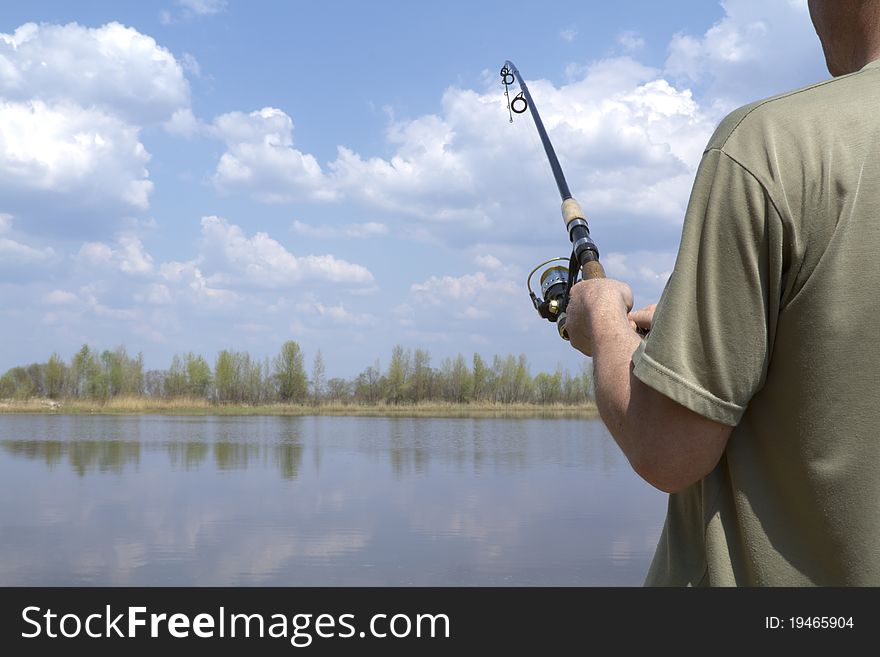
555	285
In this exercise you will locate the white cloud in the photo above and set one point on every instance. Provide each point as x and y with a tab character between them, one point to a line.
16	253
757	49
203	7
89	294
349	231
61	298
191	64
128	257
262	261
487	261
13	253
82	156
336	313
631	41
425	178
113	67
468	297
183	123
158	294
645	270
192	284
260	159
629	138
569	33
439	289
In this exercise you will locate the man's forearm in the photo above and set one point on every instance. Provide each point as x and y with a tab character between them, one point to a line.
668	445
613	347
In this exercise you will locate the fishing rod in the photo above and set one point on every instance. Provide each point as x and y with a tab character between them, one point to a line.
556	280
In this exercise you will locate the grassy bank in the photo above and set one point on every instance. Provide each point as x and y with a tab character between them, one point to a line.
192	406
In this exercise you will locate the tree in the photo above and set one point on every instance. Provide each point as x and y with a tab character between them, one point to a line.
175	379
78	371
198	375
458	379
420	379
225	376
289	373
368	385
317	377
398	369
56	372
548	387
339	389
480	378
587	379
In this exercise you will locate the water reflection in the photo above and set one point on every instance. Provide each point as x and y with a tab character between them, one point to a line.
319	501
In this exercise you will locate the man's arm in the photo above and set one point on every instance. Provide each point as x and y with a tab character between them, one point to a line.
668	445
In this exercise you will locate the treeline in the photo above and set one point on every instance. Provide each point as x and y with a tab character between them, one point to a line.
238	378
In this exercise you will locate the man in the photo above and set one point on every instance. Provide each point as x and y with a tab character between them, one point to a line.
752	400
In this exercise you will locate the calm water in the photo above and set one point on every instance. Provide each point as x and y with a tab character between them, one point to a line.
151	500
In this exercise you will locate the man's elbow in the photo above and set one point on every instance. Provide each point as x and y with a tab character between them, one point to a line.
665	482
671	472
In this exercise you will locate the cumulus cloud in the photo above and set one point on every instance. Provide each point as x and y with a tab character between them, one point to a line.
757	49
113	67
188	279
14	253
469	297
128	256
80	157
629	137
629	141
183	123
569	33
630	41
262	261
203	7
61	298
349	231
73	102
487	261
338	313
260	159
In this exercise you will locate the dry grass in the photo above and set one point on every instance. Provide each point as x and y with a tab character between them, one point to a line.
193	406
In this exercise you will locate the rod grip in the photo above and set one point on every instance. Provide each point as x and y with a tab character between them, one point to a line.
592	270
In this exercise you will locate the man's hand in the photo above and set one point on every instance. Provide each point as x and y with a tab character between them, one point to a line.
642	319
596	309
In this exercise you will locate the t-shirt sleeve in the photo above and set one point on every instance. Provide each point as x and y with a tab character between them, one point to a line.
709	344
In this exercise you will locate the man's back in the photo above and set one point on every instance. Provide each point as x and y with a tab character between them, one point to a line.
767	324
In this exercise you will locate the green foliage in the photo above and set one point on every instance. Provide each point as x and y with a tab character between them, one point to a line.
289	374
238	378
398	372
317	378
56	373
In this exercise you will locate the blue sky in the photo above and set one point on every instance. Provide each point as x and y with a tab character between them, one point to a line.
199	174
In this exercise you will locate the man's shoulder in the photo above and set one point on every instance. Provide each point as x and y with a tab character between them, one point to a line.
799	113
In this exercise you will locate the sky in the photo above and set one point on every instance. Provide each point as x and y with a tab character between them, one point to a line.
196	175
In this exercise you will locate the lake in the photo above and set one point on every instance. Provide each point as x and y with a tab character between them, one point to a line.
323	501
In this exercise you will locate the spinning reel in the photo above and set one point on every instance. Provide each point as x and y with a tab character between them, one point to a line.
556	283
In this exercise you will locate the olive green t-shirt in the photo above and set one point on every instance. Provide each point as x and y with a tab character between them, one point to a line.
769	324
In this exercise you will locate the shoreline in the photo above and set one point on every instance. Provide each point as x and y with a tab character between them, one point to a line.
193	407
